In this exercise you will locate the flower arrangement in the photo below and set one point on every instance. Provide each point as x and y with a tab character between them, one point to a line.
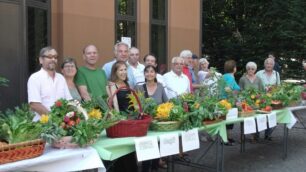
169	112
69	118
286	94
256	99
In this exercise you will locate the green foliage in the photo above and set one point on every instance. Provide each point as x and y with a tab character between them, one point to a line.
249	30
69	118
3	81
17	125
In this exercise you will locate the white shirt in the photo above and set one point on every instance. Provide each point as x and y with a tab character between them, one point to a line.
176	84
43	89
138	72
267	80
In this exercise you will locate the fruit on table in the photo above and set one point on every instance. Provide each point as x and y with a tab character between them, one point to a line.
267	108
245	107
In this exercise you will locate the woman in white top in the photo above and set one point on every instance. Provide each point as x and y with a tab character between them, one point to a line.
203	70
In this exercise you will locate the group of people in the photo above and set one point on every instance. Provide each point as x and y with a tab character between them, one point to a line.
123	72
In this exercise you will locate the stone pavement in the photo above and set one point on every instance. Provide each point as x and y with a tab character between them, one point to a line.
264	156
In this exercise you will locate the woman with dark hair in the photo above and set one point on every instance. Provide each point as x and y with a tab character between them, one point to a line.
151	87
69	70
230	86
119	79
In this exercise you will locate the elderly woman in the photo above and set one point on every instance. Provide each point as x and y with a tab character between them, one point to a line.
249	79
69	70
203	70
268	76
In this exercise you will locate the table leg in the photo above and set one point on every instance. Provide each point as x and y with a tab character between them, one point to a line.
285	142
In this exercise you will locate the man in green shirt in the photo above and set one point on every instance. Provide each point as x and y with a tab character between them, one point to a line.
91	81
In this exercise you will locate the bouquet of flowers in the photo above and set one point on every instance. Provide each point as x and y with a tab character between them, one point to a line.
69	118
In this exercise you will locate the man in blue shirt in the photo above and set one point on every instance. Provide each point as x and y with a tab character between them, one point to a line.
121	51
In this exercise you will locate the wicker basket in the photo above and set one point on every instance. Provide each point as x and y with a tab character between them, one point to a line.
129	128
21	151
277	106
165	125
246	114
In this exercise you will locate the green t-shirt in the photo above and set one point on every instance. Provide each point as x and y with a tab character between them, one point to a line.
94	80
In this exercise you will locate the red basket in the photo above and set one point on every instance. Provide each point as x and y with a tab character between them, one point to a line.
129	128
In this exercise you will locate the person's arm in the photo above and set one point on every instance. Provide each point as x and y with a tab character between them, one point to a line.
164	95
39	108
84	92
241	83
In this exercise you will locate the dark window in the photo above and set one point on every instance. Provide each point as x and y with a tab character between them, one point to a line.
126	20
37	35
158	30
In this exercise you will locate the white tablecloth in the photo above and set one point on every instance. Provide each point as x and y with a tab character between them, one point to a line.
59	160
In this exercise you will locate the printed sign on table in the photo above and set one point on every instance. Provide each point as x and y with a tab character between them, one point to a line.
272	119
261	122
147	148
169	144
249	125
190	140
232	114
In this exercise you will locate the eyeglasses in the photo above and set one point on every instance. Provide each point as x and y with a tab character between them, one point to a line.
69	66
179	64
50	57
251	69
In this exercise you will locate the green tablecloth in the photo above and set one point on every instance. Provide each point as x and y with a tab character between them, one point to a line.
111	149
283	116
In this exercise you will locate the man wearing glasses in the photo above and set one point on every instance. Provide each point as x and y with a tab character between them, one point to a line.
46	86
176	82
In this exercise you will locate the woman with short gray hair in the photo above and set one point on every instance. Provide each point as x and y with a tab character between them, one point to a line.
249	79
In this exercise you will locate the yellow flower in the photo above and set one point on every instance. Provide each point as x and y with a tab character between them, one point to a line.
226	104
196	105
269	95
257	101
252	96
95	113
44	118
163	110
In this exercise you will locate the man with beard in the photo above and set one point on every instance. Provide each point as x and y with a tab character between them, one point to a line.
91	81
46	86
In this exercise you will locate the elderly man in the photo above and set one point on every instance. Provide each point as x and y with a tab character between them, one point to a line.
187	68
136	67
176	82
121	54
90	80
269	76
46	86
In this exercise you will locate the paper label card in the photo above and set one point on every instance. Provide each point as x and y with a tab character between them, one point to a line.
146	148
190	140
169	144
272	119
261	122
249	125
232	114
127	40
